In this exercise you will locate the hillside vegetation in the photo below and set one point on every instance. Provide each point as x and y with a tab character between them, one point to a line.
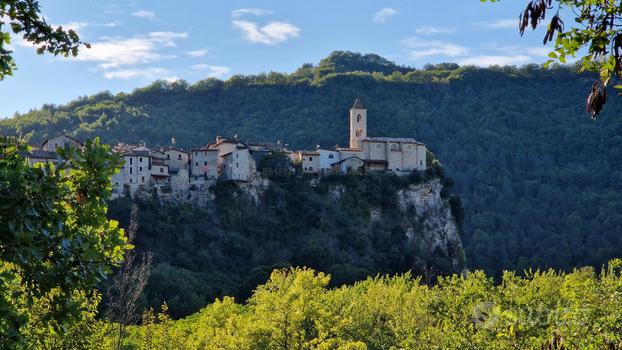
231	244
296	310
540	181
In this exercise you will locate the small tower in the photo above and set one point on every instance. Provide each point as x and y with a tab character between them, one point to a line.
358	124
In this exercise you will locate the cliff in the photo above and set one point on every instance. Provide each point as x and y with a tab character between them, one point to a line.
349	226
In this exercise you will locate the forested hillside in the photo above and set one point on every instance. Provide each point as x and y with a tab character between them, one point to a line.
349	226
540	182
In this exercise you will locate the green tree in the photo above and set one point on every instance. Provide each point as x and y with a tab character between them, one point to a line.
23	17
596	29
56	243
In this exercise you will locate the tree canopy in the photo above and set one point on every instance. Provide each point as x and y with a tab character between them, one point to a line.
23	18
56	243
593	33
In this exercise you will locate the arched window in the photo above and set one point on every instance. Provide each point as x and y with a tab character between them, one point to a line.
330	156
358	118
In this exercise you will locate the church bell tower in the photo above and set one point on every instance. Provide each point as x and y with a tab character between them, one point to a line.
358	124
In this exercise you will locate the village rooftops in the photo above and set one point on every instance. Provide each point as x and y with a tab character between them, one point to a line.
69	137
313	153
136	153
176	149
392	139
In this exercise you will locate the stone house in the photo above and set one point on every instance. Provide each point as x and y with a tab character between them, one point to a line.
348	165
178	162
203	165
327	158
238	164
61	141
309	161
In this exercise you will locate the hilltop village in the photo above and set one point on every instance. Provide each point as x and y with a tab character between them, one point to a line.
173	172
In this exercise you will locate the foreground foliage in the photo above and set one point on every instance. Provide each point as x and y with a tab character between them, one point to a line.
56	245
296	310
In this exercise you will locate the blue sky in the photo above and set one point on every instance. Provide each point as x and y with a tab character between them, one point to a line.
135	42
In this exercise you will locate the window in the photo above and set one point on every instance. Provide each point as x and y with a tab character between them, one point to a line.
310	159
358	118
161	170
131	170
130	180
140	160
140	168
142	178
409	147
204	163
379	146
330	156
179	156
237	165
421	162
168	156
310	168
196	163
237	155
131	160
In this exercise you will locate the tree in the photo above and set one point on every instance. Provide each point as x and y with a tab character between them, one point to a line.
24	18
597	30
56	243
128	285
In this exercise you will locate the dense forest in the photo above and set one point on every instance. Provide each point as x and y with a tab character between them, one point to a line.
232	244
540	182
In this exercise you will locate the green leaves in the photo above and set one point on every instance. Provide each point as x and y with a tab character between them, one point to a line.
57	248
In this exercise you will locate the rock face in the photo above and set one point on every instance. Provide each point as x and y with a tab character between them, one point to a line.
431	221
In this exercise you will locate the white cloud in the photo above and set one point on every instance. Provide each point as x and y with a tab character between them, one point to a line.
384	15
197	53
497	24
167	38
250	11
495	60
144	14
76	26
271	34
112	53
419	48
134	73
213	71
430	30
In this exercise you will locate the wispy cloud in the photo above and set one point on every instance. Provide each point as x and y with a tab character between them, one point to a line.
197	53
419	48
144	14
134	73
384	15
273	33
119	57
497	24
250	11
431	30
213	71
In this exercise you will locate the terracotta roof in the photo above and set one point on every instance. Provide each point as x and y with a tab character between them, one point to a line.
392	139
358	104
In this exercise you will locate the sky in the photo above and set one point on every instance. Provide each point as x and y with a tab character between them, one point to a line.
135	42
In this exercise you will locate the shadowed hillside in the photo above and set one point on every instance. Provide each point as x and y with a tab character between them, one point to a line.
540	181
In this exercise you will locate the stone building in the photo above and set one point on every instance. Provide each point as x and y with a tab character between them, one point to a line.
61	141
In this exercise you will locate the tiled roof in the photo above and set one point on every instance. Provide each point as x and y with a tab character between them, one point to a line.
392	139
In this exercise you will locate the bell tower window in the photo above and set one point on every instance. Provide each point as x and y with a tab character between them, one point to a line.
358	118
